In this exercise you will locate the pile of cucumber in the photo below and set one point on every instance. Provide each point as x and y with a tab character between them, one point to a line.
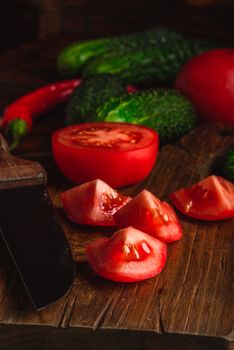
105	98
149	58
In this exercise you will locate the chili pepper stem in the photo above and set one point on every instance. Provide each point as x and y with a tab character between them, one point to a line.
16	129
14	144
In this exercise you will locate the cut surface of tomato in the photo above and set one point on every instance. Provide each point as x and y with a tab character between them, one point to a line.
93	203
210	199
117	153
128	256
148	214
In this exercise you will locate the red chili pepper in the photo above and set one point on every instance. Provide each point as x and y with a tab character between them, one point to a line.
131	89
18	116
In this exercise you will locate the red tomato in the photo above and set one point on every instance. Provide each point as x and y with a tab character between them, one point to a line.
128	256
147	213
210	199
207	80
93	203
117	153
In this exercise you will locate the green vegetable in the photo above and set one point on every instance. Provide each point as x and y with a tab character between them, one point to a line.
228	166
153	64
88	96
163	110
73	58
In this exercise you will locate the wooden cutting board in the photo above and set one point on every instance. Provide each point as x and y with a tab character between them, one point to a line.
188	306
190	302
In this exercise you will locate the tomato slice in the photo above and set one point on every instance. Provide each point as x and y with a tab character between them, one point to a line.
147	213
93	203
117	153
210	199
128	256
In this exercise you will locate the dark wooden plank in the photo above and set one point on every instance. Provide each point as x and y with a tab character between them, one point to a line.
34	64
108	18
213	141
48	338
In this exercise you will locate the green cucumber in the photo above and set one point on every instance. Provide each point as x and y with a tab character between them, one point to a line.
91	94
166	111
228	166
74	57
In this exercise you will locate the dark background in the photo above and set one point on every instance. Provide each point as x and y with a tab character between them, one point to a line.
22	21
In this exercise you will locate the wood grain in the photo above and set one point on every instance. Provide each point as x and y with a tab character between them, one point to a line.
188	306
16	172
28	338
87	20
192	296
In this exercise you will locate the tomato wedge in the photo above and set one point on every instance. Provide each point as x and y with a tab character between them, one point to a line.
128	256
117	153
93	203
210	199
147	213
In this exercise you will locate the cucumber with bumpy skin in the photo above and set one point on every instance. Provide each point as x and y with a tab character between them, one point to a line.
151	65
166	111
157	43
228	167
72	59
91	94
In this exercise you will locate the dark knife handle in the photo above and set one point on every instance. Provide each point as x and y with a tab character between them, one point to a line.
15	172
4	149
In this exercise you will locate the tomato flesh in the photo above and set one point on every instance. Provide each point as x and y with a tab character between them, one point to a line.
117	153
210	199
147	213
128	256
93	203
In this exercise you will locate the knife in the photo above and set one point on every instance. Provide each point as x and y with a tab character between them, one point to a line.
31	230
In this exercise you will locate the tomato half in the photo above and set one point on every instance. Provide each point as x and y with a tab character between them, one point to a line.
147	213
128	256
117	153
93	203
207	80
210	199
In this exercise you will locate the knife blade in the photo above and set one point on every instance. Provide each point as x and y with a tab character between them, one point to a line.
31	230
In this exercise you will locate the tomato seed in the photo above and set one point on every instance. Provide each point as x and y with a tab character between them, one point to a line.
188	206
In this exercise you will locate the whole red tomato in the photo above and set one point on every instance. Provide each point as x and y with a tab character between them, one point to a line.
207	80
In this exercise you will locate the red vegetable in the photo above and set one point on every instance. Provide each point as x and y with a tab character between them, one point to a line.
131	89
93	203
117	153
19	115
210	199
207	80
147	213
128	256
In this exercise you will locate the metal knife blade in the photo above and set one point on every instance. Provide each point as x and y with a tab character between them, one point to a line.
31	230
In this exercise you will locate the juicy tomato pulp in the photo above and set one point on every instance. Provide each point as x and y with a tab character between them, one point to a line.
147	213
93	203
210	199
117	153
128	256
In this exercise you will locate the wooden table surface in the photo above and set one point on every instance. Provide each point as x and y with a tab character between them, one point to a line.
188	306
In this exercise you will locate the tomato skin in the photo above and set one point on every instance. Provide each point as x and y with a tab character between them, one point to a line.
108	258
207	80
210	199
116	167
93	203
147	213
